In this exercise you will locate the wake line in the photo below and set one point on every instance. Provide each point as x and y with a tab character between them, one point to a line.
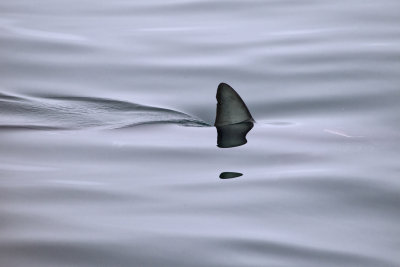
73	113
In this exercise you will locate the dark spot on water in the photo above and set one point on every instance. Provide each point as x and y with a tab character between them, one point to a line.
229	175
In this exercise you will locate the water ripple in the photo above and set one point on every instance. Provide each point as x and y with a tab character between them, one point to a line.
71	112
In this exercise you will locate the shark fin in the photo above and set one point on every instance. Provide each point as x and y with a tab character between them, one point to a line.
230	107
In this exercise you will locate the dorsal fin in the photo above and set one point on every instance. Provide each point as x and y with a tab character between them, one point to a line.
230	108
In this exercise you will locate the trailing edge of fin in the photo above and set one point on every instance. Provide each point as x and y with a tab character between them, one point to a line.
230	107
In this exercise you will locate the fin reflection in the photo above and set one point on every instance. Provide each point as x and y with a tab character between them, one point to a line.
233	135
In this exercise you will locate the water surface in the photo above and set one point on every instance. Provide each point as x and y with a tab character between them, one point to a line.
107	156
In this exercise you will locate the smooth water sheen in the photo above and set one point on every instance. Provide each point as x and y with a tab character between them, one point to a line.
97	170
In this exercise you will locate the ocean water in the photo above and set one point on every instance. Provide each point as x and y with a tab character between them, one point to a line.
108	155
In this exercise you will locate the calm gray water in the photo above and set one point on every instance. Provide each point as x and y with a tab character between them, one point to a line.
107	156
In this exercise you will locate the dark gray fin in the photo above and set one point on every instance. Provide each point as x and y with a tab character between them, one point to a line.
230	107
